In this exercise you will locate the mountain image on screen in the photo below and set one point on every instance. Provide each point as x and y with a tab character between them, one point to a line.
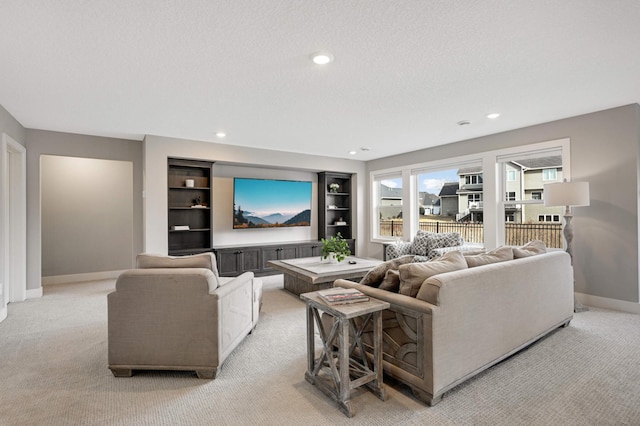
242	219
270	203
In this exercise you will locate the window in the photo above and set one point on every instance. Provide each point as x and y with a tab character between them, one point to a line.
389	201
549	174
526	217
548	218
511	175
473	180
437	195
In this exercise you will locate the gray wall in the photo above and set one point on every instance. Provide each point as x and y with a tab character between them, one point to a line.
604	152
41	142
87	215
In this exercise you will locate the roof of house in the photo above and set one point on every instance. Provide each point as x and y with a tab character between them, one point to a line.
388	192
449	188
541	163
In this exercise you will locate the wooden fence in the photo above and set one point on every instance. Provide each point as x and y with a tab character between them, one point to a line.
515	233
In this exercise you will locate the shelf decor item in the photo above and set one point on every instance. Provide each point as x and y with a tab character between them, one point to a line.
334	187
189	183
335	248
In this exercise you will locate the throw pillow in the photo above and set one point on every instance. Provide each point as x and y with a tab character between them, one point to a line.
391	281
413	275
446	239
374	277
500	254
530	249
419	243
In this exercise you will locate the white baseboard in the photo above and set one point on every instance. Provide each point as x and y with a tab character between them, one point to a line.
3	314
34	293
77	278
606	303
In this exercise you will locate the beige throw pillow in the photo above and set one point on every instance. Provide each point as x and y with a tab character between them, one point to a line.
391	281
413	275
374	277
500	254
532	248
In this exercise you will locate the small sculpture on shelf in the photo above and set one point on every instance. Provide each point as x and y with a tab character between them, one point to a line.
197	203
334	187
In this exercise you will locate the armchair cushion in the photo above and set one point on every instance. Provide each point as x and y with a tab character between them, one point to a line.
420	243
202	260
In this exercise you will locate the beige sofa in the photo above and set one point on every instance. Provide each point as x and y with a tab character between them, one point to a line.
464	321
175	313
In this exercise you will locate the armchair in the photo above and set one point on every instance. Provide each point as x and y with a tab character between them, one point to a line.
174	313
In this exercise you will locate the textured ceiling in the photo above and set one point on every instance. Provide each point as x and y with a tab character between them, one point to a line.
405	72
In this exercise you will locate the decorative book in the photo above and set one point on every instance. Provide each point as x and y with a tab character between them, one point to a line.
341	296
180	228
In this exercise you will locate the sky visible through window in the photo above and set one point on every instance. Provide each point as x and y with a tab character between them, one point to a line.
430	182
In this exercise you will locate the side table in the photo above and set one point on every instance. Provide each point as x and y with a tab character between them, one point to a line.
332	372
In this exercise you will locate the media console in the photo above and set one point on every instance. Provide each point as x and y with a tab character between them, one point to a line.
234	260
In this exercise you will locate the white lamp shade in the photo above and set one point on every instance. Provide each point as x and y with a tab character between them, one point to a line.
566	194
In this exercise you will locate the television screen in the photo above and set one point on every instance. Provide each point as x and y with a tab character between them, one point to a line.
270	203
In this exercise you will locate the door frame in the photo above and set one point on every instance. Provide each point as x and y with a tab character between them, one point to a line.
13	212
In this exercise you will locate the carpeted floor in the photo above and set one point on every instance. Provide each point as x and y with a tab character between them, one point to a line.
53	371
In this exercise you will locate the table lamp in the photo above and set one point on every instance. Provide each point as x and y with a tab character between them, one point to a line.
568	194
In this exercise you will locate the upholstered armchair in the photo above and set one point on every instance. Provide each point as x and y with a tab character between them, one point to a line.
428	246
176	313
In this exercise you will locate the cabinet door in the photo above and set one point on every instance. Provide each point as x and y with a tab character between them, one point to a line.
309	250
290	252
269	253
228	262
251	259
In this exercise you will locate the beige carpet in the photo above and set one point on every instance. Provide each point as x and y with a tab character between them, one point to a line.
53	371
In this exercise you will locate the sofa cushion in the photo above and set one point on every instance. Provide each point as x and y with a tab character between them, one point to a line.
420	242
374	277
499	254
202	260
412	275
532	248
391	281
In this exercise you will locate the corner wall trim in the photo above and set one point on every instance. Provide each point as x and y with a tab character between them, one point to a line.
34	293
606	303
76	278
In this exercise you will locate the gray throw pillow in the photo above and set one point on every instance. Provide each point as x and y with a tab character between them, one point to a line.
414	274
374	277
391	281
419	243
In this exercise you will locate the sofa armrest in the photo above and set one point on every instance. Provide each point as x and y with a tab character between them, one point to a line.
388	296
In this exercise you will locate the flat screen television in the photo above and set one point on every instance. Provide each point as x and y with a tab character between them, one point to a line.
270	203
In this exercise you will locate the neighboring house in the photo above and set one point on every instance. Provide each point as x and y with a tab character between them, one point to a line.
524	180
470	207
428	203
449	199
390	202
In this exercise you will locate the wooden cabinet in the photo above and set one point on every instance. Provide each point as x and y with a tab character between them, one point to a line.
234	260
189	201
335	206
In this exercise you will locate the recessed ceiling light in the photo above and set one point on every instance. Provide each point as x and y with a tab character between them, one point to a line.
353	152
221	134
322	58
464	123
493	115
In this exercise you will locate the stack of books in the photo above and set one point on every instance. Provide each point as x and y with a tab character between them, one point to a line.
341	296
